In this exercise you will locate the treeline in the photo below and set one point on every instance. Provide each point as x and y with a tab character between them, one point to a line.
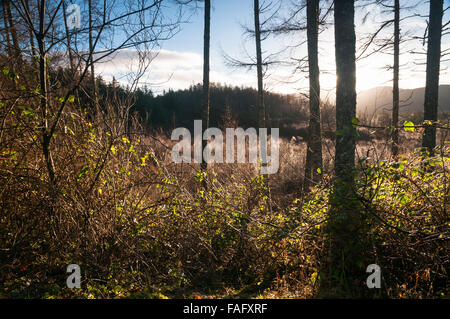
230	106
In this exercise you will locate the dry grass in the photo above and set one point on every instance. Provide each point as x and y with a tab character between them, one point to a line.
140	225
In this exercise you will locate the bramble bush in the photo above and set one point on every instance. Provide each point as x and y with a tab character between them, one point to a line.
141	226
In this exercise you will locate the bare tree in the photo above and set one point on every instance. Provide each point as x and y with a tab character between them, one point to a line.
91	49
46	133
6	28
344	224
345	90
395	86
393	40
432	74
261	107
314	146
294	23
12	29
205	94
66	27
140	23
263	13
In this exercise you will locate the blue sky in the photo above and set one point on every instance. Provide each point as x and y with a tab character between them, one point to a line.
179	64
225	29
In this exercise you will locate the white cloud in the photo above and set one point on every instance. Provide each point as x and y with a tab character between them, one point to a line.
172	69
169	69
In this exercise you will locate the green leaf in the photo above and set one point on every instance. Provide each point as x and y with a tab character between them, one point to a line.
10	74
200	176
28	112
319	170
83	171
355	122
408	126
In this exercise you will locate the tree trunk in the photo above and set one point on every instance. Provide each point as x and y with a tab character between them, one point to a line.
395	89
261	106
46	136
432	77
6	25
91	53
66	27
13	31
344	226
30	34
345	90
205	93
314	145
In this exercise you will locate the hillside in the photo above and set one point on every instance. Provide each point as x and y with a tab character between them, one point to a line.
411	100
229	105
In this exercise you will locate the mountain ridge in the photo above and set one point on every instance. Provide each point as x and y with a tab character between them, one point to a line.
379	99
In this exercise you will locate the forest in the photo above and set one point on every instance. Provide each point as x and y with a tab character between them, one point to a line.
93	206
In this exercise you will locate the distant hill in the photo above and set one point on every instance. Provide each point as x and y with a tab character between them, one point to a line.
229	105
379	99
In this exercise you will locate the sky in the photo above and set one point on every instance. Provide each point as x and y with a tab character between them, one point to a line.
178	64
